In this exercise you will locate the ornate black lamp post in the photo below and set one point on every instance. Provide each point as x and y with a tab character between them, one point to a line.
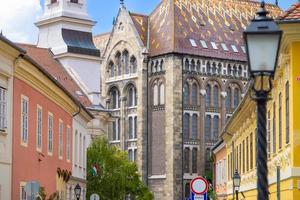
77	191
236	183
262	38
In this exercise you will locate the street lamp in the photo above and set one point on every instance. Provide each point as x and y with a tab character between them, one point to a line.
77	191
262	38
236	183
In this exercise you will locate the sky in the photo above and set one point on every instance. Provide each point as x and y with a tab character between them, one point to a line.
18	16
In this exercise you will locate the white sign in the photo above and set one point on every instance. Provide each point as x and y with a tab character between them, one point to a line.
199	197
94	197
199	186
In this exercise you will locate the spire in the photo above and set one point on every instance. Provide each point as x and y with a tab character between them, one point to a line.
276	2
122	3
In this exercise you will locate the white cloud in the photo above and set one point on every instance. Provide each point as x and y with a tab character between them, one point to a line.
17	19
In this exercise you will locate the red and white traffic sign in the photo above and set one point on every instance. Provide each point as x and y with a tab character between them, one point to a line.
199	186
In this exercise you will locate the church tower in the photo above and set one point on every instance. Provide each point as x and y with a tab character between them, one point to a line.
66	29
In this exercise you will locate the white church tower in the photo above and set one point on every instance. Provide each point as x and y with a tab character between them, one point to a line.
66	29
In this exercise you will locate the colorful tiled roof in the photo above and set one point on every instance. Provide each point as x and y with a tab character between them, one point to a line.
293	13
210	28
141	24
45	59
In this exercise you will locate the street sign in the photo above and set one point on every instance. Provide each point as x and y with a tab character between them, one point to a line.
94	197
199	196
199	186
32	189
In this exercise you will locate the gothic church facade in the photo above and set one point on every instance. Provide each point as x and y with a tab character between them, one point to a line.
171	80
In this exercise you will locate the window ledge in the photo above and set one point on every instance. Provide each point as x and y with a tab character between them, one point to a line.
3	133
114	141
132	140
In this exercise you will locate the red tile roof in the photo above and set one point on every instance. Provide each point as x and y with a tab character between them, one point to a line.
293	13
45	59
101	41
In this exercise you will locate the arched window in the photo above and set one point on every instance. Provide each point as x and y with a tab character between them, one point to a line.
133	65
186	160
216	127
187	65
198	66
125	60
236	94
229	70
228	98
186	94
115	100
219	68
240	71
194	126
155	95
216	96
161	66
194	160
193	65
194	94
208	96
156	66
118	63
208	68
162	94
186	126
132	96
152	67
111	69
234	70
214	68
207	127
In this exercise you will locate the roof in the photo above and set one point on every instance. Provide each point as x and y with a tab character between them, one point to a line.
141	23
44	58
210	28
12	44
80	42
293	13
101	41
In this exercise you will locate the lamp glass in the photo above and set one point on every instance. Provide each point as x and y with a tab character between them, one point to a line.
262	51
77	191
236	180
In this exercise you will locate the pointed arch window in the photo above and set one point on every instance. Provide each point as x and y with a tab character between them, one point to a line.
111	69
125	59
115	100
162	66
193	65
216	127
162	94
186	160
207	127
194	160
74	1
187	65
194	126
133	64
132	96
208	68
186	94
198	66
194	94
118	63
236	97
208	96
229	70
228	98
214	68
186	126
216	96
155	95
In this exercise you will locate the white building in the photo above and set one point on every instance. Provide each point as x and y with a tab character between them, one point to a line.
9	54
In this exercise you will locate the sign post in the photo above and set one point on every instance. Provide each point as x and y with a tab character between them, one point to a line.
199	187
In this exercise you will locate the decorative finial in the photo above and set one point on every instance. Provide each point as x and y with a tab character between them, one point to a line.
276	2
122	2
262	12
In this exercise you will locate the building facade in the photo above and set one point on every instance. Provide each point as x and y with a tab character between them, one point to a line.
239	134
171	80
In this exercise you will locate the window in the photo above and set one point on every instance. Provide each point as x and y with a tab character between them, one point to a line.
53	1
39	128
162	94
118	63
228	99
214	45
135	154
268	133
208	127
74	1
132	127
193	43
84	152
186	126
251	151
243	48
208	96
80	149
3	108
155	95
224	46
216	96
186	94
194	94
194	160
234	48
187	190
133	65
187	65
116	130
243	156
24	118
216	127
193	65
287	114
194	126
60	139
280	122
135	127
111	69
132	96
125	59
203	43
68	143
50	133
274	127
114	95
236	99
23	194
186	160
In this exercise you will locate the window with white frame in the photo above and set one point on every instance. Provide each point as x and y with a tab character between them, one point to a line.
23	195
39	128
3	108
132	127
50	133
68	143
116	130
132	154
24	118
60	139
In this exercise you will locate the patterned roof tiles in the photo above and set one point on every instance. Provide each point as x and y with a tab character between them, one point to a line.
141	24
293	13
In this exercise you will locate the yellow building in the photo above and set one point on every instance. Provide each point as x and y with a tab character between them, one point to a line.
283	125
